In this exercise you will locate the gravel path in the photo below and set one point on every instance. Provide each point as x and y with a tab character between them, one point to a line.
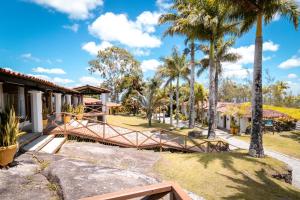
292	162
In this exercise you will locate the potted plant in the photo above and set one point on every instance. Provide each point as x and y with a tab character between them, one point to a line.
79	110
9	134
45	116
233	126
68	111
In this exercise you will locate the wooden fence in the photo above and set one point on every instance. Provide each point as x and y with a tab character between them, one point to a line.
99	131
152	192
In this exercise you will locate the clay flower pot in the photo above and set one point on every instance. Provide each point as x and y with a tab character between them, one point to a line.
7	154
45	122
67	118
79	116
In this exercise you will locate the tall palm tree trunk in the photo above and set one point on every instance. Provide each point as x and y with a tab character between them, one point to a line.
256	145
212	73
202	112
192	86
177	101
218	66
171	105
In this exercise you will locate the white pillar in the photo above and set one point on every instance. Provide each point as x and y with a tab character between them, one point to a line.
68	99
75	101
21	102
36	111
104	107
1	97
58	105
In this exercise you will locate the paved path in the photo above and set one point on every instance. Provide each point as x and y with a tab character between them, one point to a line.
292	162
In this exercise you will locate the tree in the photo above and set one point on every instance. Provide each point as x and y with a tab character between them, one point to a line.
128	86
200	97
222	55
113	63
212	20
254	12
149	99
182	25
174	68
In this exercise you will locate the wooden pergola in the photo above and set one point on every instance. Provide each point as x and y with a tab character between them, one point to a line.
91	90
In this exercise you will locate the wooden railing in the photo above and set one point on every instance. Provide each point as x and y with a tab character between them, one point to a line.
100	131
93	108
152	192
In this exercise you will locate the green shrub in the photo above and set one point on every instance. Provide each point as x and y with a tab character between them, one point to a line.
67	108
9	128
79	109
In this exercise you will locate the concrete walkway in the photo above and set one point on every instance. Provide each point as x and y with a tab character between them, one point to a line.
292	162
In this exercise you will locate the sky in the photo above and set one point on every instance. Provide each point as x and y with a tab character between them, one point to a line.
55	40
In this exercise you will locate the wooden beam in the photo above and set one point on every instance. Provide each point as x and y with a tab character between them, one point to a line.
149	190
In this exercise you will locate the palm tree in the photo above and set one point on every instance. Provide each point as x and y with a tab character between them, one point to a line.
213	21
200	97
180	24
254	12
149	99
174	68
222	55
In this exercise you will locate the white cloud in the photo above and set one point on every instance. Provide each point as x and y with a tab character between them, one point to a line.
276	17
118	28
247	52
28	56
90	80
164	4
56	80
151	64
73	27
270	46
62	80
79	9
93	48
7	68
234	70
290	63
141	52
294	87
292	76
40	76
147	21
49	70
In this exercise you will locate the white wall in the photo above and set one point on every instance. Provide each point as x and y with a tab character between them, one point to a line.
228	121
243	125
220	118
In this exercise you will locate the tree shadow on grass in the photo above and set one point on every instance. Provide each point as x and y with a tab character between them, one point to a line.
227	159
294	135
261	188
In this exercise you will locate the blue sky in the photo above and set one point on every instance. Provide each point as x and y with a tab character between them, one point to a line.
55	39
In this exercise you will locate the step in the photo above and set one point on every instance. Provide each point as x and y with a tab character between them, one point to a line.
38	143
54	145
27	138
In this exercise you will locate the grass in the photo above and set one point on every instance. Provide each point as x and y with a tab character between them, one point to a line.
231	175
284	142
141	124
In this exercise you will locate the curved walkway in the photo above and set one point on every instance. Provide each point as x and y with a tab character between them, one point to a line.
292	162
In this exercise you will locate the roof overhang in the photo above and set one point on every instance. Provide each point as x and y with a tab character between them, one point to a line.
12	77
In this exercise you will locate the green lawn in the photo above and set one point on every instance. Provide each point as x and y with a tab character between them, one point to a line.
141	124
284	142
231	175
